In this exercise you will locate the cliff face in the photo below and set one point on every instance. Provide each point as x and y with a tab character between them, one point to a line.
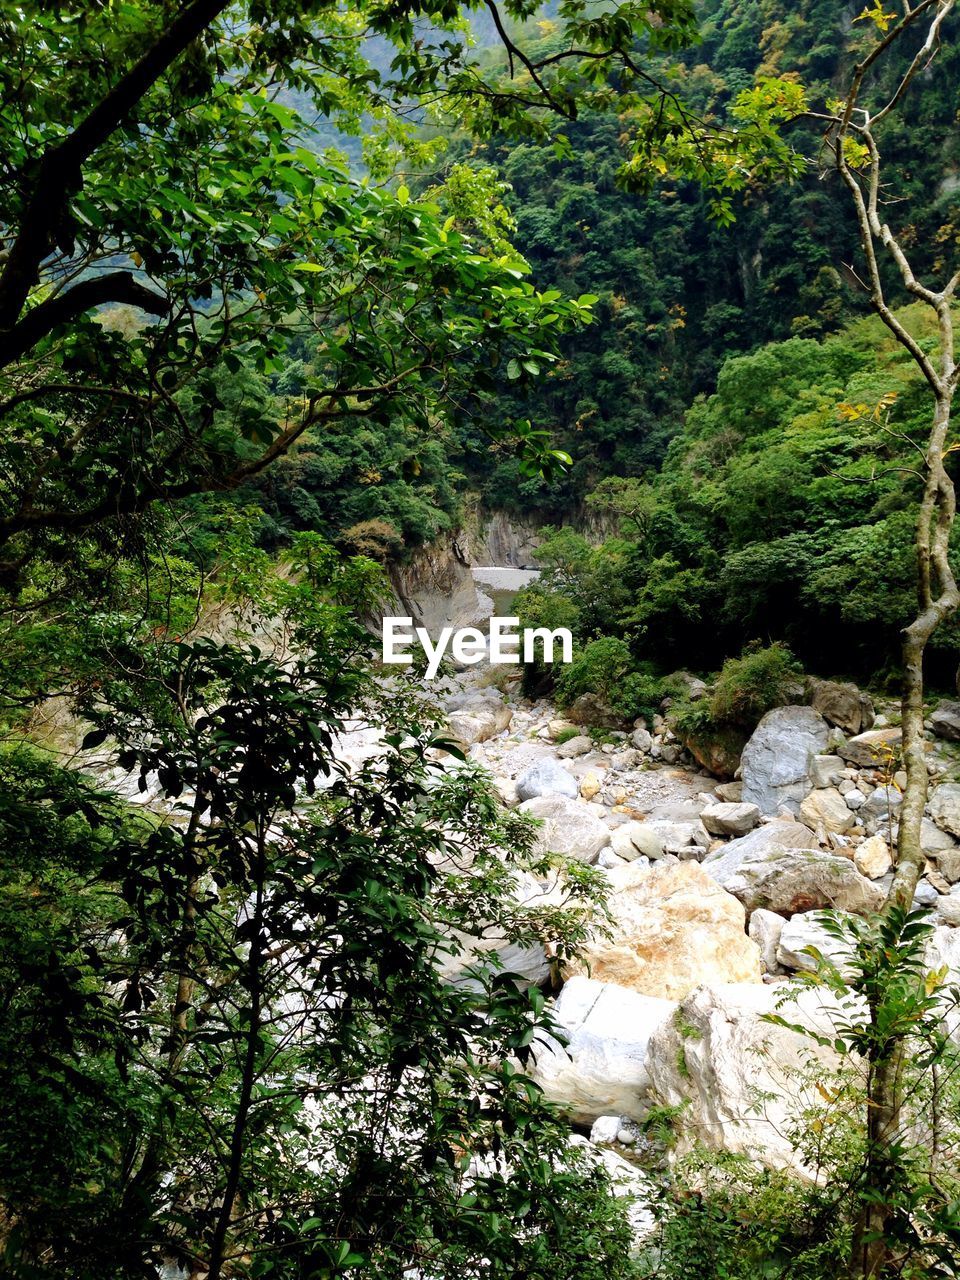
495	538
436	588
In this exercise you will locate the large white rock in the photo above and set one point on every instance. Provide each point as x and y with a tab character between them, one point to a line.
570	827
629	1182
529	963
777	761
673	928
547	778
779	867
603	1068
479	721
742	1084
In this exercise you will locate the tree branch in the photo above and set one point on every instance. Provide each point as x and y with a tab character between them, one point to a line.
117	286
60	172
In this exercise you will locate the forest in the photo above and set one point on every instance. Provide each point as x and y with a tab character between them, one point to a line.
639	962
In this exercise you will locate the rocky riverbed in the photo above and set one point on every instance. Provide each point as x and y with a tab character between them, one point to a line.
716	891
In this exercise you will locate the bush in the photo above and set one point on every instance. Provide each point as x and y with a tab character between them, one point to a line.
601	668
723	1216
753	684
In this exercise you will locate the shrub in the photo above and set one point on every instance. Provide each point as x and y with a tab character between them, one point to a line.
600	668
753	684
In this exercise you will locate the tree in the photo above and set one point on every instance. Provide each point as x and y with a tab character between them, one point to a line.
153	162
268	1029
852	123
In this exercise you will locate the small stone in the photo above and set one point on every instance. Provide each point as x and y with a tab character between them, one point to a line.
855	799
604	1130
937	880
944	807
765	929
635	840
926	895
730	792
629	1133
589	785
948	863
945	721
948	909
578	746
556	728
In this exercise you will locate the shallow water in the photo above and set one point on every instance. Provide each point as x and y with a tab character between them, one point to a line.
501	584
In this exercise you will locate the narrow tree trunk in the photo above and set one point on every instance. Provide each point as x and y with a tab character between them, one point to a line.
938	599
248	1078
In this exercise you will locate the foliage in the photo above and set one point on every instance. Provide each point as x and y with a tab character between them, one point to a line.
247	1003
777	518
724	1216
750	686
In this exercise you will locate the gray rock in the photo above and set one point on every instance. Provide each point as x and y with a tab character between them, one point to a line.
680	837
934	841
826	771
642	739
842	704
730	819
765	928
926	895
578	746
546	778
855	799
879	808
570	828
778	866
945	721
944	807
777	761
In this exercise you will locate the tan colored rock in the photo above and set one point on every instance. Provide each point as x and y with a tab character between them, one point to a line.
589	785
557	727
478	722
826	808
872	858
674	928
